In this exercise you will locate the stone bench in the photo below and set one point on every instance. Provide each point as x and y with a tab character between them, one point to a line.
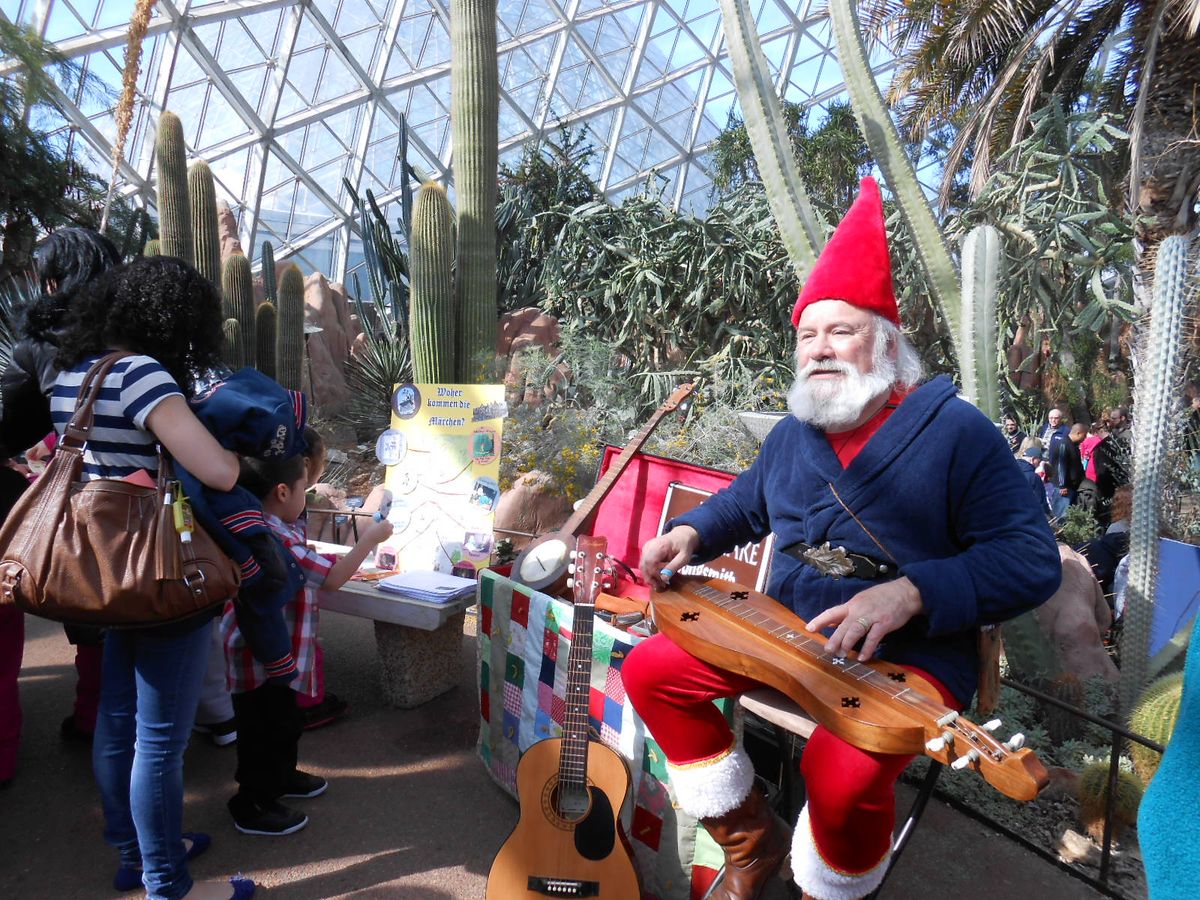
419	643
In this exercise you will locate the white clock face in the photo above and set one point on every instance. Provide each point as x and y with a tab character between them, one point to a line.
543	560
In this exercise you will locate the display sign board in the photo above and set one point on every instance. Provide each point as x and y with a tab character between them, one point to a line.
442	453
748	564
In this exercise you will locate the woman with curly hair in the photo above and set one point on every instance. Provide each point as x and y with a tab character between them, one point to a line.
169	316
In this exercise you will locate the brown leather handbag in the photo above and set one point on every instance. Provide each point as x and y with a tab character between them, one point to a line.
106	552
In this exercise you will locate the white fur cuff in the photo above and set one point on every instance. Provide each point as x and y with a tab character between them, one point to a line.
818	879
713	787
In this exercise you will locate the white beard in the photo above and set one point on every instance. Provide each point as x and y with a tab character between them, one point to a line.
837	404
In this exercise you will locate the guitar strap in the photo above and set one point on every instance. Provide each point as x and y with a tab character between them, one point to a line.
989	638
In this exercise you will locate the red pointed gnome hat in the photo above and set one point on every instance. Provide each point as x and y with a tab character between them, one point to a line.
854	266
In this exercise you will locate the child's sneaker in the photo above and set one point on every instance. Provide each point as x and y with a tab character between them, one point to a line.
222	733
329	710
268	818
303	785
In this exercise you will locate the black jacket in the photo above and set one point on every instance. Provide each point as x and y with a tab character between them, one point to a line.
25	388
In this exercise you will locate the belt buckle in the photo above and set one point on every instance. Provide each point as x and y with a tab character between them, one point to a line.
831	561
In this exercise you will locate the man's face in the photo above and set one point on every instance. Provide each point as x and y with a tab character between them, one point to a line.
835	331
1010	425
1055	418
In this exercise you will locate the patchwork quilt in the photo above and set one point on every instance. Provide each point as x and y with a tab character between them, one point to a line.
524	642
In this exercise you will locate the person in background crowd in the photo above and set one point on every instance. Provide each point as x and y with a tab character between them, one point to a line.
1068	469
870	461
1014	435
1118	423
1032	469
169	316
1087	448
63	263
1053	431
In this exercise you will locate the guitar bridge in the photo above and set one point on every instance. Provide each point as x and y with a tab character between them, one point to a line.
563	887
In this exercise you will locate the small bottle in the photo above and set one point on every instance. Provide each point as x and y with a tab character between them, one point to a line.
183	518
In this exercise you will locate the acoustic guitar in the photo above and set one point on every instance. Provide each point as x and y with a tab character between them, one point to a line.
568	841
876	705
542	565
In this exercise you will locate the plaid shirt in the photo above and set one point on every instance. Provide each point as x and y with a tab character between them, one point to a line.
301	615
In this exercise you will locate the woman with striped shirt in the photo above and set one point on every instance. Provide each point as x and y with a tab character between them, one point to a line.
168	316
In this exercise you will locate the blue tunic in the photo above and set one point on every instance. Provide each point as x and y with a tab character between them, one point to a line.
937	488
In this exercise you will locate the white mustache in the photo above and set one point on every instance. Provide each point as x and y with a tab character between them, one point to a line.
814	367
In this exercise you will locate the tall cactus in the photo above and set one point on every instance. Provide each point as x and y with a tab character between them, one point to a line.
153	248
1155	428
880	134
174	219
237	285
431	289
264	333
206	241
474	113
234	352
799	224
268	271
982	261
289	337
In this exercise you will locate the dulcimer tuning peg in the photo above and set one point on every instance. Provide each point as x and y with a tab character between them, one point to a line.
570	582
990	725
1016	742
963	761
938	744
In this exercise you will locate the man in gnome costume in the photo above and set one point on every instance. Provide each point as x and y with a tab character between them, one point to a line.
923	493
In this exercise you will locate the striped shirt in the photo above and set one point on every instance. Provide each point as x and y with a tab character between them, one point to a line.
301	615
119	444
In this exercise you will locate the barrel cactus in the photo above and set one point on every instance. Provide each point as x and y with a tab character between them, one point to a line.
431	313
264	336
289	337
174	217
474	114
206	241
1154	718
1092	792
237	285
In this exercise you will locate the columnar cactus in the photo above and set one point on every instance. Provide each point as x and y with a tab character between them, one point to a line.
431	287
237	285
264	333
799	224
174	219
289	339
152	248
474	112
1156	426
234	353
268	271
875	122
206	242
1154	717
982	258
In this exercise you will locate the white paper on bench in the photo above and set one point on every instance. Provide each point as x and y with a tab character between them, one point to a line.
432	587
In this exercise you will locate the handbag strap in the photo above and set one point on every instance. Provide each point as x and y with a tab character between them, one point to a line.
76	433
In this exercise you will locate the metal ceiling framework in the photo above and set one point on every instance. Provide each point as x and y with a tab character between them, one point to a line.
286	98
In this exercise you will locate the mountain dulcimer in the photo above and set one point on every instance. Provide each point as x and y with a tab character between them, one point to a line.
876	705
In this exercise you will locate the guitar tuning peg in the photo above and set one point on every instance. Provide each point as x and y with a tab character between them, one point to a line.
571	569
963	761
990	725
570	582
938	744
1016	742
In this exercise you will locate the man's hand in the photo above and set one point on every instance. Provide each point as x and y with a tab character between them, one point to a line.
871	614
668	553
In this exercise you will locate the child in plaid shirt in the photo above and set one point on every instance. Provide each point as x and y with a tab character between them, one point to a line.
268	721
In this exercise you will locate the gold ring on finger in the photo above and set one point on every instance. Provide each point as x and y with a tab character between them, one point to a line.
864	622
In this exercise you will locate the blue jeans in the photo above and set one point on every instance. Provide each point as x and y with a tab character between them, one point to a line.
150	687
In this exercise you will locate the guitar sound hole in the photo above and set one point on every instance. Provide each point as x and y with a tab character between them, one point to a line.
571	801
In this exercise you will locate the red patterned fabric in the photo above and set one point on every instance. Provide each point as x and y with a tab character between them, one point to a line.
855	266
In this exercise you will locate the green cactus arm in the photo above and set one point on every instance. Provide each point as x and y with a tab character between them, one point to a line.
289	336
474	115
264	332
431	290
237	286
206	241
888	150
798	223
174	219
982	261
1155	428
268	272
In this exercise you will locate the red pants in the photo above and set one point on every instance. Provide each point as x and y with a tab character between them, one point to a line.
851	796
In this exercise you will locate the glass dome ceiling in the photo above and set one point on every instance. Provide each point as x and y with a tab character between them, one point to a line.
288	99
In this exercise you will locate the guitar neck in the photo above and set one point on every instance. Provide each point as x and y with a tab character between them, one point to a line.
573	763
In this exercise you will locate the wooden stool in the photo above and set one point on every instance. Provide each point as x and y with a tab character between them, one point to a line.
792	725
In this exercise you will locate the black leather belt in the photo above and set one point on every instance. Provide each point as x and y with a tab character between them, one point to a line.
837	562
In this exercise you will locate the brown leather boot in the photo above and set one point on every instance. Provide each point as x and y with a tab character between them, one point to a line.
756	842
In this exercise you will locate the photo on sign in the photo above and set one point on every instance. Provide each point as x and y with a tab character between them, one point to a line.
390	447
406	401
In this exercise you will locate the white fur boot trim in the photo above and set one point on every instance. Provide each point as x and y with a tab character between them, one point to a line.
821	881
712	787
